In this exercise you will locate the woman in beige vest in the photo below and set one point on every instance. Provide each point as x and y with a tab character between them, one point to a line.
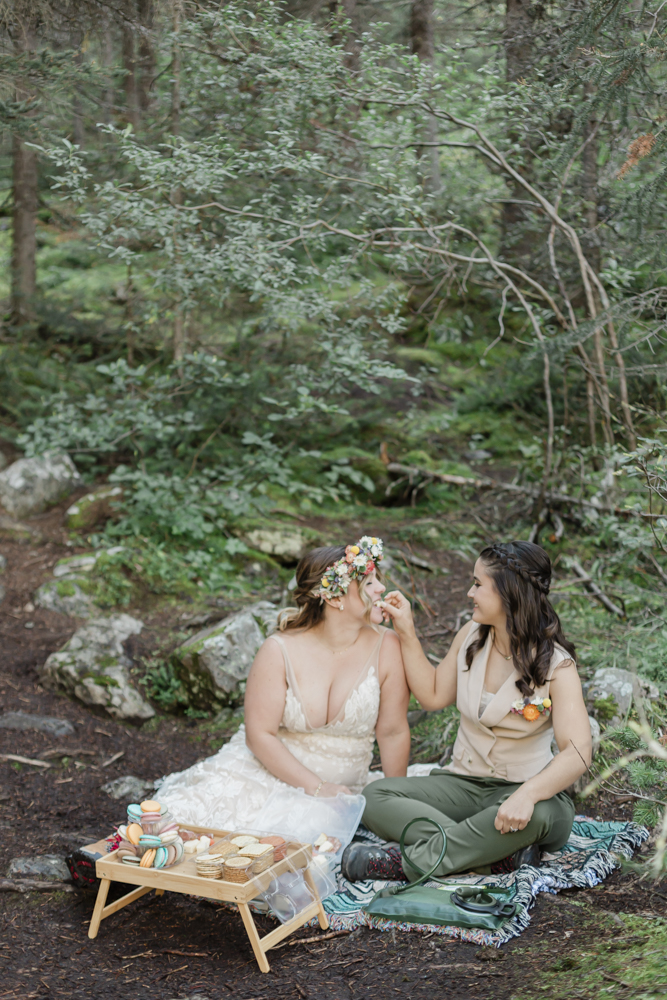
512	674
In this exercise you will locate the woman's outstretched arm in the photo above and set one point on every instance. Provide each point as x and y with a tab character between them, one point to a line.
573	736
264	706
434	688
392	731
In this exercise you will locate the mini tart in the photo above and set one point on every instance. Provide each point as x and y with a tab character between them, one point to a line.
244	839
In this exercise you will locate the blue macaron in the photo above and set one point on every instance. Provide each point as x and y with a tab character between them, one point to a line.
160	857
134	812
149	840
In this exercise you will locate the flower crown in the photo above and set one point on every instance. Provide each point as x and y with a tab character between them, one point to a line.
359	560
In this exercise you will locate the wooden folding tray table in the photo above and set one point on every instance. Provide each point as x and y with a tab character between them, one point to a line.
183	878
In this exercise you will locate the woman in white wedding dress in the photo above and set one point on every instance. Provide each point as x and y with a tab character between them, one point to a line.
319	692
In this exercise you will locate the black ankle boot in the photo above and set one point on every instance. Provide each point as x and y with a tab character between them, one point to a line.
362	861
525	856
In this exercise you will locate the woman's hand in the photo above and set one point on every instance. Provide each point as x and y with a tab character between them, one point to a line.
328	790
515	813
396	608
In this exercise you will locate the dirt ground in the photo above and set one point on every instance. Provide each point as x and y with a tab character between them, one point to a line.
176	946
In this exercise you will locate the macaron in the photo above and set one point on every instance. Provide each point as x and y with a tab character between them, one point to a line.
134	833
161	857
154	815
149	840
122	829
134	811
131	859
168	827
168	838
164	809
148	859
150	806
172	854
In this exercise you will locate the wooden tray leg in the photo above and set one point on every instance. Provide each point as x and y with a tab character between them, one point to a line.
99	906
251	931
321	912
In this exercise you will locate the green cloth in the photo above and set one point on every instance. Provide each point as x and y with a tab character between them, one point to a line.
466	808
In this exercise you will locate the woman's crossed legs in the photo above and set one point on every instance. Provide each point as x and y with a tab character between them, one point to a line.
466	808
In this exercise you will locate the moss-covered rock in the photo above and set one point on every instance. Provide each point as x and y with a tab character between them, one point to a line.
93	667
93	509
66	596
213	665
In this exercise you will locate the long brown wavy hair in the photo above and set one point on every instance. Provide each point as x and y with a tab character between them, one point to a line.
521	572
309	610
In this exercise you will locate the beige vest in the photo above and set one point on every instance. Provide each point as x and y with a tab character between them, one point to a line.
500	744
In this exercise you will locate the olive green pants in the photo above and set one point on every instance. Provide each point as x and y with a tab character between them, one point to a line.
466	808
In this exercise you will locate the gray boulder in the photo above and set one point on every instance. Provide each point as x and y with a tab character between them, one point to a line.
621	685
48	866
92	508
128	787
285	544
94	668
66	596
22	721
213	663
31	485
68	593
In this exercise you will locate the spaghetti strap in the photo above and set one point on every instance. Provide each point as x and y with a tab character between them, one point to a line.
289	670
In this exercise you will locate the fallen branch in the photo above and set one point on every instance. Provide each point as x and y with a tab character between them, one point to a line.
412	472
24	760
311	940
33	885
593	588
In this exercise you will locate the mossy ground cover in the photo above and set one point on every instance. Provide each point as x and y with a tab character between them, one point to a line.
607	956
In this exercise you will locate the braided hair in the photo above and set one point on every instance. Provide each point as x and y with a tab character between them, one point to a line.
521	572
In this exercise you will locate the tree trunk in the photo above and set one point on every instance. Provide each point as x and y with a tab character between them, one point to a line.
129	65
423	46
518	41
24	185
146	17
24	244
176	70
109	101
346	10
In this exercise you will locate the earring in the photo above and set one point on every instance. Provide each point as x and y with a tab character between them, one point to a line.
341	607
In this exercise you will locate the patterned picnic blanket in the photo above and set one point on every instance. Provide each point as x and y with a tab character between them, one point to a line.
592	853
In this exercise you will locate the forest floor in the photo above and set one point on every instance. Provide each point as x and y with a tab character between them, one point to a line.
610	941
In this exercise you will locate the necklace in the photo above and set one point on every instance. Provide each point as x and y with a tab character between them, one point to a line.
501	652
335	652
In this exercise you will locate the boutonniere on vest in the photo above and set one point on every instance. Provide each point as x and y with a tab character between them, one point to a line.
532	710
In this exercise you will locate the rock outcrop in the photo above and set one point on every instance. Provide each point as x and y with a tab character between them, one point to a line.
92	509
30	485
284	544
94	668
23	721
620	685
214	663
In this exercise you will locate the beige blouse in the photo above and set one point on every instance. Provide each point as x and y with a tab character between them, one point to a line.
487	744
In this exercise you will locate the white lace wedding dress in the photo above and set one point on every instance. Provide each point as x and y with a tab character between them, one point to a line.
228	790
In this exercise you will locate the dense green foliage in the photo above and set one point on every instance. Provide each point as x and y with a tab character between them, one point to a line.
311	251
